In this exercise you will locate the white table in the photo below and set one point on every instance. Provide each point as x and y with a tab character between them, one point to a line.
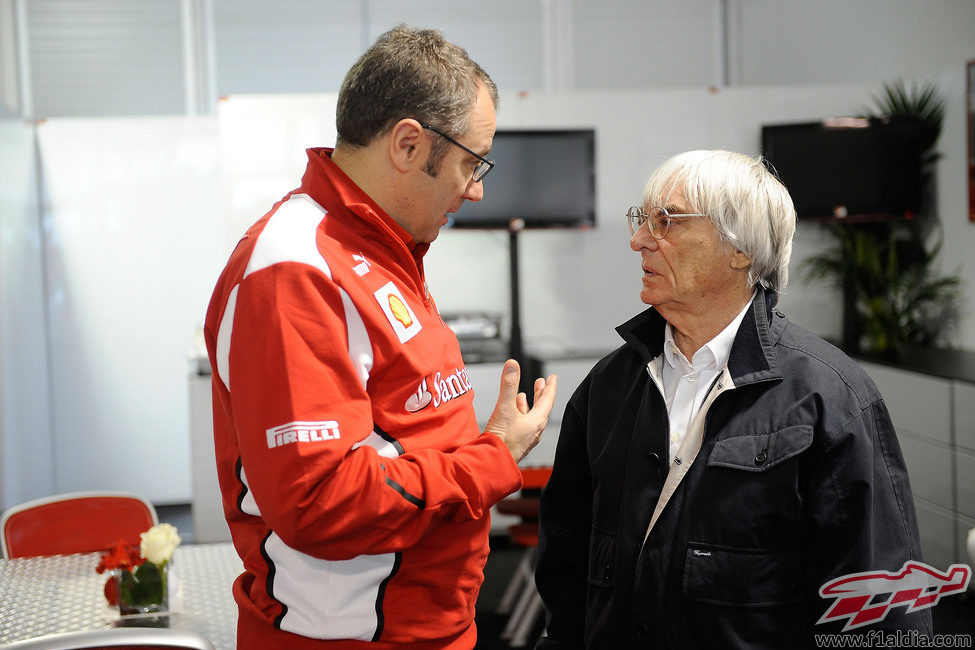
63	593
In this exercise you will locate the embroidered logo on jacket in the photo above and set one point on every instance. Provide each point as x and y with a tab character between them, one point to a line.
398	313
302	432
420	399
362	266
445	388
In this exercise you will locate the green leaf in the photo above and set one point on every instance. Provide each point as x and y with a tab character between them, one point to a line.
146	585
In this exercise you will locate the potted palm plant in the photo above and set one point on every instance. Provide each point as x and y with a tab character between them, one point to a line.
894	298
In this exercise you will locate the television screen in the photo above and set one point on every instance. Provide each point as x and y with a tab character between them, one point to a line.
856	168
545	177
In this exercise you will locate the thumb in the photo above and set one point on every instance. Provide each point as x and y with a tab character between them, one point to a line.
510	379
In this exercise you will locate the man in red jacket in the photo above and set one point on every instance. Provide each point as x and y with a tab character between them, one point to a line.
355	480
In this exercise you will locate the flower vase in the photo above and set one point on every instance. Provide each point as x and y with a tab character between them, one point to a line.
143	590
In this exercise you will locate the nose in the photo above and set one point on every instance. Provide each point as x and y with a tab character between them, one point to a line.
643	239
475	190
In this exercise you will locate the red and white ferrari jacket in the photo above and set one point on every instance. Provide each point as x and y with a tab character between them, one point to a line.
355	479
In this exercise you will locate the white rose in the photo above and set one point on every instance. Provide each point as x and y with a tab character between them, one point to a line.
158	543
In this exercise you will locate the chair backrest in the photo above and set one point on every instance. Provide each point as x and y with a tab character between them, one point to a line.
121	638
535	478
76	522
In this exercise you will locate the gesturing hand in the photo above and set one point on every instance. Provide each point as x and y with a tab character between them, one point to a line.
520	427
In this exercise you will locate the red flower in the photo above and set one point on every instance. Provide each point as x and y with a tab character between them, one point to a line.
120	556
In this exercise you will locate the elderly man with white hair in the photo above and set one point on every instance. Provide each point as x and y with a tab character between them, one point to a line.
722	465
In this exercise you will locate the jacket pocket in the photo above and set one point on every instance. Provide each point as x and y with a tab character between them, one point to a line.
762	452
719	575
600	605
602	559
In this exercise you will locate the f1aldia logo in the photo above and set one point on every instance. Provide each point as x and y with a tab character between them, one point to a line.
864	598
445	388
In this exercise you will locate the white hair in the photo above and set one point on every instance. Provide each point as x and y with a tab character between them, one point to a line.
748	205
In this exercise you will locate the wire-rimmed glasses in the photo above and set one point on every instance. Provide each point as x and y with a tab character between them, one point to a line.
657	219
481	169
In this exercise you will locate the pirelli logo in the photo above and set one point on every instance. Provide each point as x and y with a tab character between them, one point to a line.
302	432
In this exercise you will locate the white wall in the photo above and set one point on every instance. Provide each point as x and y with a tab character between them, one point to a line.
116	57
141	214
952	199
578	285
26	455
830	41
131	213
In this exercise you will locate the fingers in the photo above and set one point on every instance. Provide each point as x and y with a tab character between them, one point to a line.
545	399
522	403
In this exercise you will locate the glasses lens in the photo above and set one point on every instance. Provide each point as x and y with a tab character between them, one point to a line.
635	218
481	171
659	222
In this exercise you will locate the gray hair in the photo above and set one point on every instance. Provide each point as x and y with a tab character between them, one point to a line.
748	205
410	73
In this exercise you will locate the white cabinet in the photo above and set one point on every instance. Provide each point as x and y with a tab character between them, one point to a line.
934	419
209	524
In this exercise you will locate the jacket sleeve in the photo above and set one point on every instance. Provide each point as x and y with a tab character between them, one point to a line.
862	513
565	522
289	364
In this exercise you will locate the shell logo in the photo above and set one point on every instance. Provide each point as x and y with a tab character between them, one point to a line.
400	312
397	311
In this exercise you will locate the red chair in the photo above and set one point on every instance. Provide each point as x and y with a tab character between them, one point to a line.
77	522
522	589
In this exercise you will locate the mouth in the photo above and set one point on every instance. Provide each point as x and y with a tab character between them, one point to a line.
648	276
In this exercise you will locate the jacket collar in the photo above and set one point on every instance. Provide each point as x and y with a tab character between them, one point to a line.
331	188
753	356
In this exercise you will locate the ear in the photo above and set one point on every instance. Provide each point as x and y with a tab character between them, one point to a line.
406	144
739	260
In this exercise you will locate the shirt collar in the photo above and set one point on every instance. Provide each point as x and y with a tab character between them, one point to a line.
714	353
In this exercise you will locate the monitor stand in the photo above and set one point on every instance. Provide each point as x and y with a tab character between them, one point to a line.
530	368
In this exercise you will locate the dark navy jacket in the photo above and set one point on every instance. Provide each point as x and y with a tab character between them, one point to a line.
799	480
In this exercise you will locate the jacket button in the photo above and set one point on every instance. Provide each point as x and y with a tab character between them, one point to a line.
654	458
643	630
761	458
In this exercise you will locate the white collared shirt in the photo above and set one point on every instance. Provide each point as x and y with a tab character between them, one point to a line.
687	383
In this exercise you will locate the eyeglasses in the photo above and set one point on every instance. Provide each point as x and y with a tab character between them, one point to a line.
481	169
658	220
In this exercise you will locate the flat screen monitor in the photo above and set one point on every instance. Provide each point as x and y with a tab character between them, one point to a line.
848	168
545	177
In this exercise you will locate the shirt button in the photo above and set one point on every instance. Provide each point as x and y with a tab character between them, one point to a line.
643	630
761	458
